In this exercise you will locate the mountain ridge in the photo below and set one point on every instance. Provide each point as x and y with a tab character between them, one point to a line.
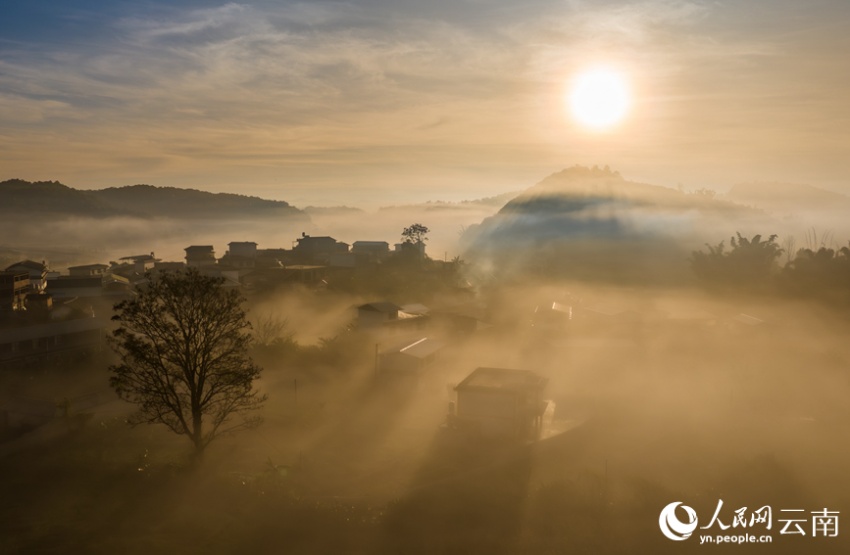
142	201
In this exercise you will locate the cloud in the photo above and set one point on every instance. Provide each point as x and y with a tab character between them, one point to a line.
250	87
191	23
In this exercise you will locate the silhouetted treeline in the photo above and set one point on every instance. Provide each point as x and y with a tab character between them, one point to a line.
752	266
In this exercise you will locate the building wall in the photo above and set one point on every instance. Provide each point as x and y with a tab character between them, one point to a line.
491	413
85	272
368	318
13	290
241	249
200	261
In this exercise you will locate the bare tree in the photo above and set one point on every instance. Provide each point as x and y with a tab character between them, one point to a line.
183	343
271	329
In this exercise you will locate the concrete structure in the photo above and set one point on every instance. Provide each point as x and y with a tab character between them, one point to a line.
246	249
88	270
317	250
14	287
200	256
371	250
500	402
36	270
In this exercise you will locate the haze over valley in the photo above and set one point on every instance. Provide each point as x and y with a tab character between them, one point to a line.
389	277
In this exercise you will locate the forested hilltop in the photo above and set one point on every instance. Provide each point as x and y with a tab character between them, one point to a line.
145	201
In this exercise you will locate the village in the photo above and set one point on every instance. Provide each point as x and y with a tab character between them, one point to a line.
52	317
393	376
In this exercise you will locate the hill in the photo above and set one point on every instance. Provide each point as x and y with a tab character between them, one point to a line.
143	201
51	197
592	223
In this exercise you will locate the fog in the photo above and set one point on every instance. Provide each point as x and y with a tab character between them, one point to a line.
659	390
66	241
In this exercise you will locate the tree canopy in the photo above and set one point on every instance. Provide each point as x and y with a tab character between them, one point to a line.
183	343
748	265
416	234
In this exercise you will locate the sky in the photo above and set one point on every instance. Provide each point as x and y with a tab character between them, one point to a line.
328	103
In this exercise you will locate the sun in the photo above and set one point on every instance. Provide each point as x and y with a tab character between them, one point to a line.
599	98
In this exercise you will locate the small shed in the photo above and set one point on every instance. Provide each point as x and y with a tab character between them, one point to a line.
409	359
500	402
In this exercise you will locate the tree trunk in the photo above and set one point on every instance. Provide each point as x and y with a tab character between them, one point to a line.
198	432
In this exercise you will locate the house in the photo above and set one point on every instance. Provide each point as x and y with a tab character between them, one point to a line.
409	359
244	249
14	287
141	263
371	250
376	314
240	255
500	402
406	246
36	270
110	285
88	270
317	250
200	256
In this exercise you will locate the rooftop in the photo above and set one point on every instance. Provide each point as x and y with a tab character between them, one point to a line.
421	348
31	264
502	379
